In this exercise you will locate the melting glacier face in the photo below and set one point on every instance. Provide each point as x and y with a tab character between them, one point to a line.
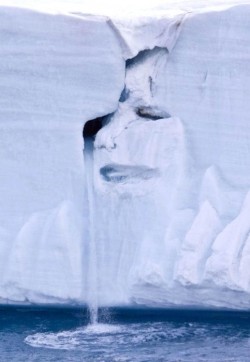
163	219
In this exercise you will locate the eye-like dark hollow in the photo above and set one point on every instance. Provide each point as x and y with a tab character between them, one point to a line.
151	114
92	127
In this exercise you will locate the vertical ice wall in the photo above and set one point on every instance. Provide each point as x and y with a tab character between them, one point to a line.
174	167
56	73
171	164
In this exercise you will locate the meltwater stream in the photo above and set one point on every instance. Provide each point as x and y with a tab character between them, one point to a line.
92	259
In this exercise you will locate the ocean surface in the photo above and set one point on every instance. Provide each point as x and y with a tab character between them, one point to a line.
125	335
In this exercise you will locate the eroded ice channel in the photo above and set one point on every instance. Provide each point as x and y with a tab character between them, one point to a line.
169	197
89	132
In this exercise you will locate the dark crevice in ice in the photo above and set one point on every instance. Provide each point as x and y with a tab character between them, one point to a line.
124	95
91	127
126	173
144	55
151	114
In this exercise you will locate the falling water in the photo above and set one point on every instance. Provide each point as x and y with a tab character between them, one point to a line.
92	258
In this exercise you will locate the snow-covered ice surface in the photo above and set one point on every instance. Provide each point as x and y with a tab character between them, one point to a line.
171	165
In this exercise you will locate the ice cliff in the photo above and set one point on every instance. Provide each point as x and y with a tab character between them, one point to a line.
157	211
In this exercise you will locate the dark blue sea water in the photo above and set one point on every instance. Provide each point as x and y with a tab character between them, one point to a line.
123	335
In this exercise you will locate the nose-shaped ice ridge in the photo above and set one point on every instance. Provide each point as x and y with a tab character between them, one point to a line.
127	173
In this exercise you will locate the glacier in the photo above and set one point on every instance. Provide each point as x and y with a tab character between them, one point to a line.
154	211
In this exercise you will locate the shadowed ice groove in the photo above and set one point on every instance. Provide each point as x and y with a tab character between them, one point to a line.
196	246
224	263
127	174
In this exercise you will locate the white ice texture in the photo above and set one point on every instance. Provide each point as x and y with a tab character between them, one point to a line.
158	212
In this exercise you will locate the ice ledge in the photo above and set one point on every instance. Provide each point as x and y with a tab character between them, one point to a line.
148	33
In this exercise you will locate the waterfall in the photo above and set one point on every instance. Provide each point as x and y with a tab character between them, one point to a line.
92	257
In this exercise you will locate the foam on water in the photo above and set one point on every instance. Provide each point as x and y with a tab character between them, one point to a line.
72	339
62	340
101	328
150	341
124	335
